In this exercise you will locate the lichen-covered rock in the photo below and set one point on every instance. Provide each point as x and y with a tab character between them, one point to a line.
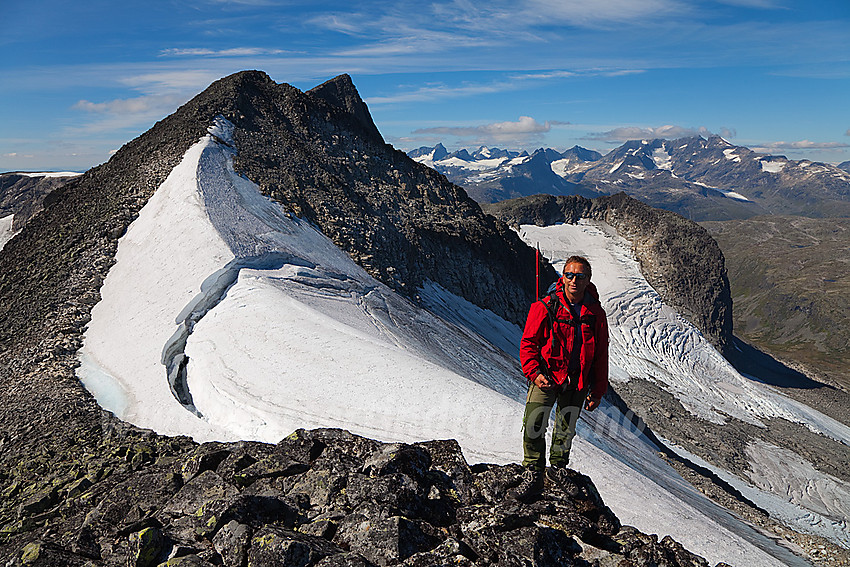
146	547
192	560
450	552
232	543
343	500
206	457
133	503
410	460
450	472
345	560
194	494
386	541
274	546
273	466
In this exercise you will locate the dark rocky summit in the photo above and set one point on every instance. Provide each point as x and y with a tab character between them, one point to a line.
80	487
320	154
678	257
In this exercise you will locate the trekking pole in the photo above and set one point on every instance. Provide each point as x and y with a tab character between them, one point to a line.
537	272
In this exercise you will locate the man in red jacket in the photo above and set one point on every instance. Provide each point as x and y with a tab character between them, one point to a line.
564	356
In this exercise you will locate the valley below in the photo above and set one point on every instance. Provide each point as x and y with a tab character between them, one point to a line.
790	283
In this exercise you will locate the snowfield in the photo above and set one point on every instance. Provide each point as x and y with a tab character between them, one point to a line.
51	174
266	327
772	166
6	233
662	159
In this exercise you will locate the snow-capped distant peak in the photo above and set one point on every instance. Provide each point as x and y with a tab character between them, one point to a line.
51	174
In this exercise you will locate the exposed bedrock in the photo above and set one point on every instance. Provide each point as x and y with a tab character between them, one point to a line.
677	256
321	497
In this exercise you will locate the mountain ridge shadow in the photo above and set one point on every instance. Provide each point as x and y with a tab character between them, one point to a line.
760	366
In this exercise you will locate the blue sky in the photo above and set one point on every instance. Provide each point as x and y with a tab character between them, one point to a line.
80	79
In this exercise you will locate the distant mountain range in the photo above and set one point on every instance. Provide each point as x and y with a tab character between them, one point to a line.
699	178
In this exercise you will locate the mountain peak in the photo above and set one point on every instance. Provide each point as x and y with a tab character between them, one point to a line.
341	92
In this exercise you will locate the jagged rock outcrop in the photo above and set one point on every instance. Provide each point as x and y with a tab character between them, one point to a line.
678	257
321	497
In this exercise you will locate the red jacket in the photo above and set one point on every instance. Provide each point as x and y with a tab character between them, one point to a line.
552	343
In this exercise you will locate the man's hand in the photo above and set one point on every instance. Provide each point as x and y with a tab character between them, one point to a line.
543	382
591	404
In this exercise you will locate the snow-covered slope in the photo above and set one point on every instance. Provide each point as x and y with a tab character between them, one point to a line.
6	233
226	318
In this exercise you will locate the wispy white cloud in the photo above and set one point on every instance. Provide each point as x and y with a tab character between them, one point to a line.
799	145
246	2
668	132
167	81
524	130
119	106
234	52
594	14
525	125
584	73
514	81
441	91
762	4
127	113
546	75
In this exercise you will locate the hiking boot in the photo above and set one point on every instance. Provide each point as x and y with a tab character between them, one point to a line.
561	477
530	488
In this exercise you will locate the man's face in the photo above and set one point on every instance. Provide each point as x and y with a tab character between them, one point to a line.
574	286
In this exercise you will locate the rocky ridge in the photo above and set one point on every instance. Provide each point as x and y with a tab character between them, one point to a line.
80	487
677	256
320	154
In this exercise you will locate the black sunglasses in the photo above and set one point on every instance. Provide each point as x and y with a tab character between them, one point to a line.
571	275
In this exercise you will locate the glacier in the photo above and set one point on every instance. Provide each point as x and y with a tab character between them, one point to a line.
279	329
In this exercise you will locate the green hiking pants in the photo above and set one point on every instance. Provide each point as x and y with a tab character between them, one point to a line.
538	407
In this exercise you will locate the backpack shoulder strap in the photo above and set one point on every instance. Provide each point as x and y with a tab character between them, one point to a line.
551	302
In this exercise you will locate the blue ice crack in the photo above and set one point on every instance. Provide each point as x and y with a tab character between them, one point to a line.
213	290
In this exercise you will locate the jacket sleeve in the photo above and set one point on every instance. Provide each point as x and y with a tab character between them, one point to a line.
600	358
533	339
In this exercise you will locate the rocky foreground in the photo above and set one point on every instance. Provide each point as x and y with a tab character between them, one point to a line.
322	497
